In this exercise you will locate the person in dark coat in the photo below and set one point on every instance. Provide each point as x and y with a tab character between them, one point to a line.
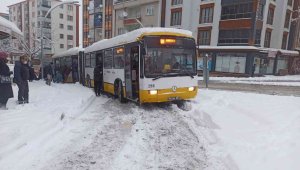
97	80
49	73
253	70
6	91
21	77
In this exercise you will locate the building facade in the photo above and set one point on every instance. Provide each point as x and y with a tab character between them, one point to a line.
97	20
227	30
60	28
131	15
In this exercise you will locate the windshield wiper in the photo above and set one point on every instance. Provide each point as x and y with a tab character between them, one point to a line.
163	75
188	73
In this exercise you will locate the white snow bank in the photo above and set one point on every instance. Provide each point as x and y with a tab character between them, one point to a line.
252	131
25	128
132	36
290	80
266	78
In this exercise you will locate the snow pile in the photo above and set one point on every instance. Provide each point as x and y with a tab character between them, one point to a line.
290	80
133	36
25	128
251	131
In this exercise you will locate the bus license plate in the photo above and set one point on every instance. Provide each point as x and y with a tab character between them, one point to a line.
173	98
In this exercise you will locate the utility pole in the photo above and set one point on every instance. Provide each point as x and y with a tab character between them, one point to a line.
205	70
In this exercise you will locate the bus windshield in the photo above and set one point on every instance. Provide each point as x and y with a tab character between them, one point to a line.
170	60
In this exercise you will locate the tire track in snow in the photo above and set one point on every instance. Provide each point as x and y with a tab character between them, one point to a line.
105	137
124	136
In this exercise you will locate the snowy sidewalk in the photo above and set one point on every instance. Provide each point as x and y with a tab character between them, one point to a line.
24	129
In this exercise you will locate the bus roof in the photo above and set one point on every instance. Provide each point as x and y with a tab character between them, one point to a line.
69	52
136	35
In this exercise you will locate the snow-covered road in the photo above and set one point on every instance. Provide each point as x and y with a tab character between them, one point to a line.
66	127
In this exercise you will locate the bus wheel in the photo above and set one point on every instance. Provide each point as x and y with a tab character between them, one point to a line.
120	93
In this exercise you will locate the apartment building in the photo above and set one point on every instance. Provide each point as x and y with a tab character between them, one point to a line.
294	36
97	20
60	28
133	14
240	36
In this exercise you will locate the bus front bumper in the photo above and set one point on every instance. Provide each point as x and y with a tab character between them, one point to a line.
167	95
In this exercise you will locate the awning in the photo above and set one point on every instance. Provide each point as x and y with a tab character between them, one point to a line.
8	28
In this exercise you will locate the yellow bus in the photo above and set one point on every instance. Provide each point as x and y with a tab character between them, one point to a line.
148	65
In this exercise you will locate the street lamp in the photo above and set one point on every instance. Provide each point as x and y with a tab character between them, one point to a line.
42	24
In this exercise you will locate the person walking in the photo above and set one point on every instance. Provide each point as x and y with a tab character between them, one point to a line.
21	77
97	80
6	91
49	73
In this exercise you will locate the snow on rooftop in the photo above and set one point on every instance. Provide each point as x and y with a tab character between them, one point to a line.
9	27
70	52
132	36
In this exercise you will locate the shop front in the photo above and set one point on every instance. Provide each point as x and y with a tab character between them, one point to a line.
245	60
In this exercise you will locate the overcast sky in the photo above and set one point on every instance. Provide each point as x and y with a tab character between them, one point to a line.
5	3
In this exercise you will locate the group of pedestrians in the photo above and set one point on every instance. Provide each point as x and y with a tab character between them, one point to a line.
22	74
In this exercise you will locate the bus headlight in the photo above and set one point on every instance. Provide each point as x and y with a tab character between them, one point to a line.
191	88
153	92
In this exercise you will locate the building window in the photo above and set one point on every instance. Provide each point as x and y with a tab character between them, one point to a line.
61	16
176	15
62	46
287	20
70	8
121	31
270	16
61	6
61	36
231	62
33	14
206	15
176	2
290	2
284	40
257	37
204	37
150	10
70	27
70	37
70	46
70	18
33	4
237	36
61	26
244	10
268	38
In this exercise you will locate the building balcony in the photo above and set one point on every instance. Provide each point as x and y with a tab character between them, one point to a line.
131	21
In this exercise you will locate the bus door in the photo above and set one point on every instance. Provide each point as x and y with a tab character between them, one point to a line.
81	68
132	72
75	71
99	62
